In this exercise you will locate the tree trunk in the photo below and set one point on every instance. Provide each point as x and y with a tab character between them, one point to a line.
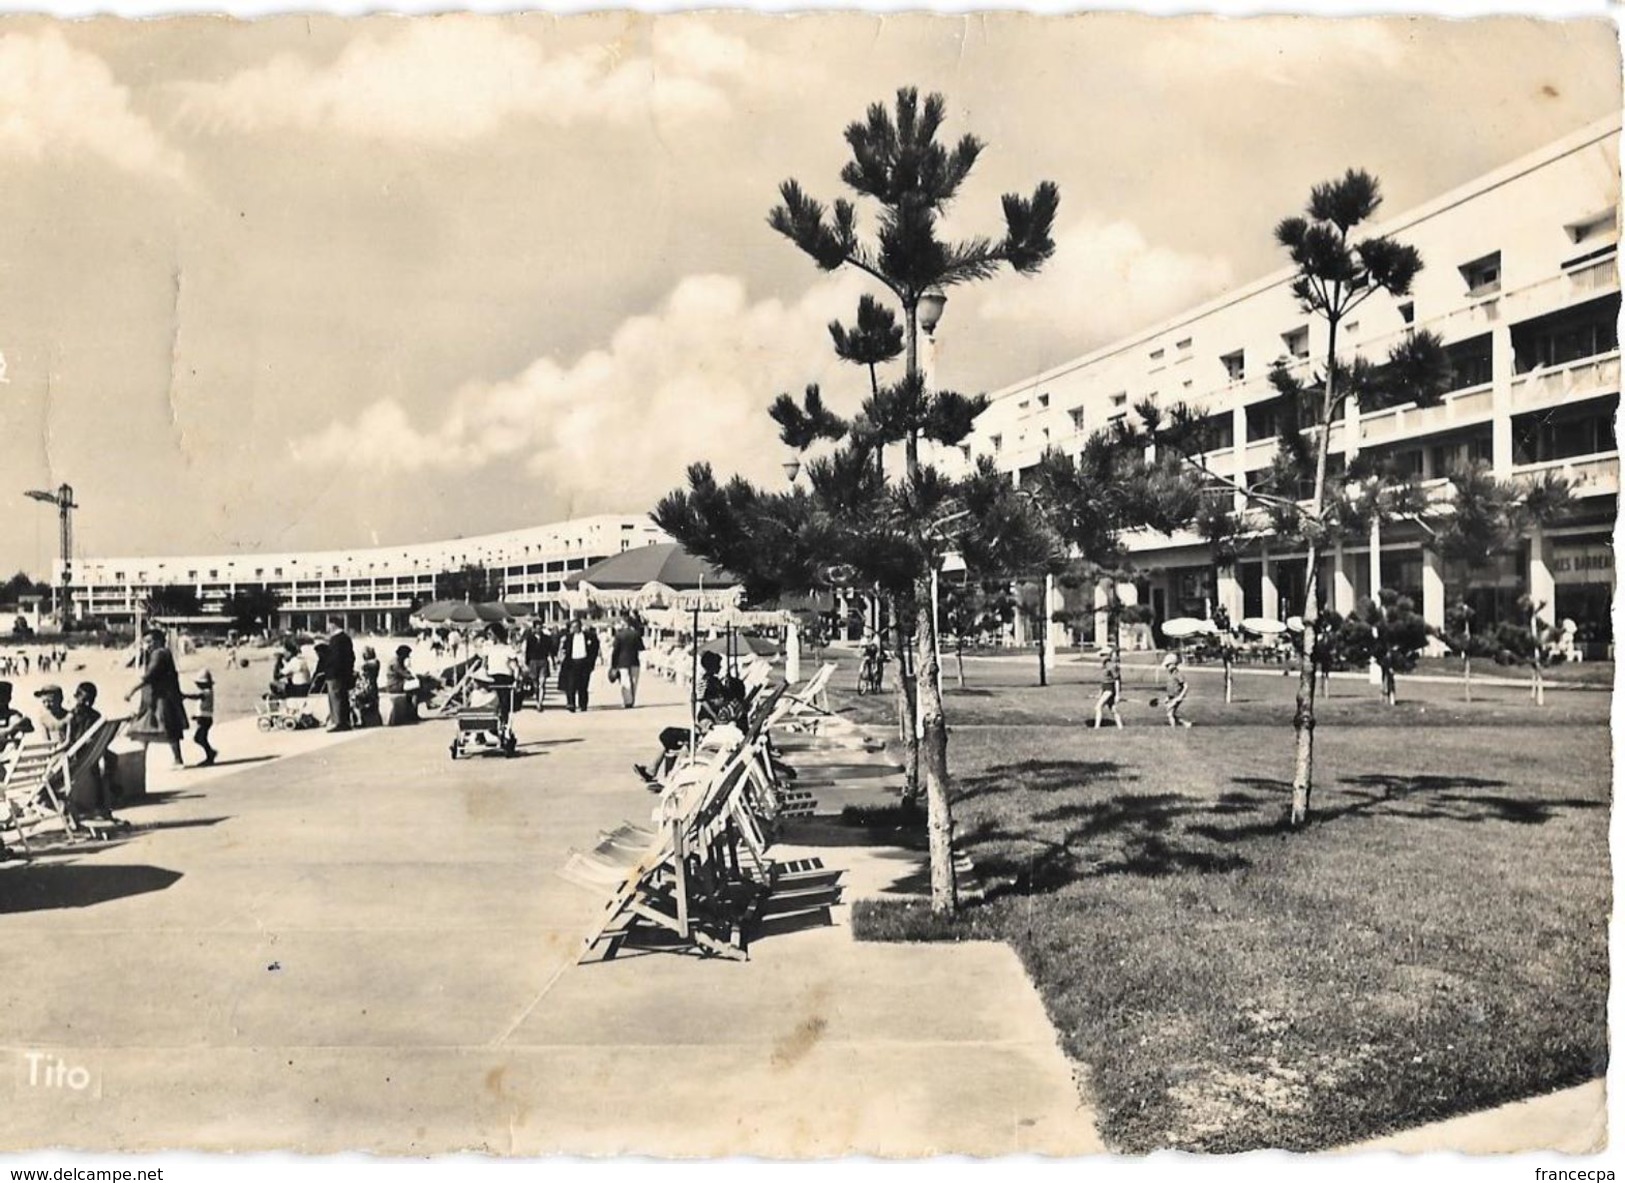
907	699
1467	676
1303	725
933	758
1043	672
959	659
1227	677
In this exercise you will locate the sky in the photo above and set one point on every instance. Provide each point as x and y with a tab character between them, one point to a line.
308	282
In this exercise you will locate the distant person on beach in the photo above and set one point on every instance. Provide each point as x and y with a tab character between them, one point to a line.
161	715
1111	682
203	718
624	659
1176	688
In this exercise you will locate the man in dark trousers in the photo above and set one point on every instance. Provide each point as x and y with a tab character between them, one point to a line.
340	679
578	654
539	650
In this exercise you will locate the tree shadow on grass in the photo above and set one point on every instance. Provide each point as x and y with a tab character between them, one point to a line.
1415	796
1041	776
1151	835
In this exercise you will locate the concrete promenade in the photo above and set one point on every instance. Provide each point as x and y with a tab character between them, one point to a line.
351	942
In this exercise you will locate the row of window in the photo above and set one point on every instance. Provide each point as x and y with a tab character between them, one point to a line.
1586	330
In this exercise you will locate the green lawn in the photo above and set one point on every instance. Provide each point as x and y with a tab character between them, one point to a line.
1435	942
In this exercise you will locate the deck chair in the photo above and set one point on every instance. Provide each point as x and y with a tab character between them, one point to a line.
457	697
661	883
40	778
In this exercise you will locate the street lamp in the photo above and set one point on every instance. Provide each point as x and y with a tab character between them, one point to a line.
932	301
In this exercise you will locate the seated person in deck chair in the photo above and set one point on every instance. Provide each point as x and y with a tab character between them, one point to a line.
720	700
93	791
13	723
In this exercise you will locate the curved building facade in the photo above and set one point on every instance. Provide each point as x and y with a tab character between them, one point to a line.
365	587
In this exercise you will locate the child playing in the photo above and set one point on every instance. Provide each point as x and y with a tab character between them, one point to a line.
1176	690
204	716
1111	682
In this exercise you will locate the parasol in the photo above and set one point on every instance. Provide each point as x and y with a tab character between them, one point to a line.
1260	626
461	612
666	564
1187	626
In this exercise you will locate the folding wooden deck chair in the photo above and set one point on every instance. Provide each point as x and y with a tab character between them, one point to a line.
460	692
40	777
677	881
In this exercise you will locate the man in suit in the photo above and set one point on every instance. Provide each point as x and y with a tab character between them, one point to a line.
340	671
578	654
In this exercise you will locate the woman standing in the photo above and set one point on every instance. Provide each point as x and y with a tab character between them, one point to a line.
162	713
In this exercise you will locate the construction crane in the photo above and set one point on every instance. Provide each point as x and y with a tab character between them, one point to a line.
65	505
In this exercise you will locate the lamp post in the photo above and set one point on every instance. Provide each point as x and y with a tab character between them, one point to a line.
792	469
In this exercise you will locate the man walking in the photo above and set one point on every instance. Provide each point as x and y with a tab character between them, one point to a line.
578	656
624	660
537	650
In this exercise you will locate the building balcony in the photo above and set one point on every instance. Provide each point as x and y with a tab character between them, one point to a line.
1460	408
1551	386
1591	476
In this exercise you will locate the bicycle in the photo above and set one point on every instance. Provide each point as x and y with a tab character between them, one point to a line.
871	674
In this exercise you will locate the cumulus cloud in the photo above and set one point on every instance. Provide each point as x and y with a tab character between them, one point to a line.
57	101
1106	280
688	381
454	78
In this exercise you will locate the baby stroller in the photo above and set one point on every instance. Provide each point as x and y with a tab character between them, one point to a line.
486	722
274	712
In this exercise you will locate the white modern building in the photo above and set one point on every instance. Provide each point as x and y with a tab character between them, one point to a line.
365	587
1520	280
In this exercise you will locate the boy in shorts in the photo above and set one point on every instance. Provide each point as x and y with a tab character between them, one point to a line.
1111	679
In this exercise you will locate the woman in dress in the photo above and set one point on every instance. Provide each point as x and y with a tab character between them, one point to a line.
162	713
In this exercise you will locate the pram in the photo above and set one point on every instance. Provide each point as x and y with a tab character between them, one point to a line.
487	719
275	712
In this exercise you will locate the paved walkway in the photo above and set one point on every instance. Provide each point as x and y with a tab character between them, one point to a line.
1574	1121
359	944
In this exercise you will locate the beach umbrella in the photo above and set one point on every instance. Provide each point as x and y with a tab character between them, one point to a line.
1261	627
516	611
666	564
1185	626
461	612
1295	623
759	646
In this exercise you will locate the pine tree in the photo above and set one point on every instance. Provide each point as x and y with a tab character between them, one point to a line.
897	164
